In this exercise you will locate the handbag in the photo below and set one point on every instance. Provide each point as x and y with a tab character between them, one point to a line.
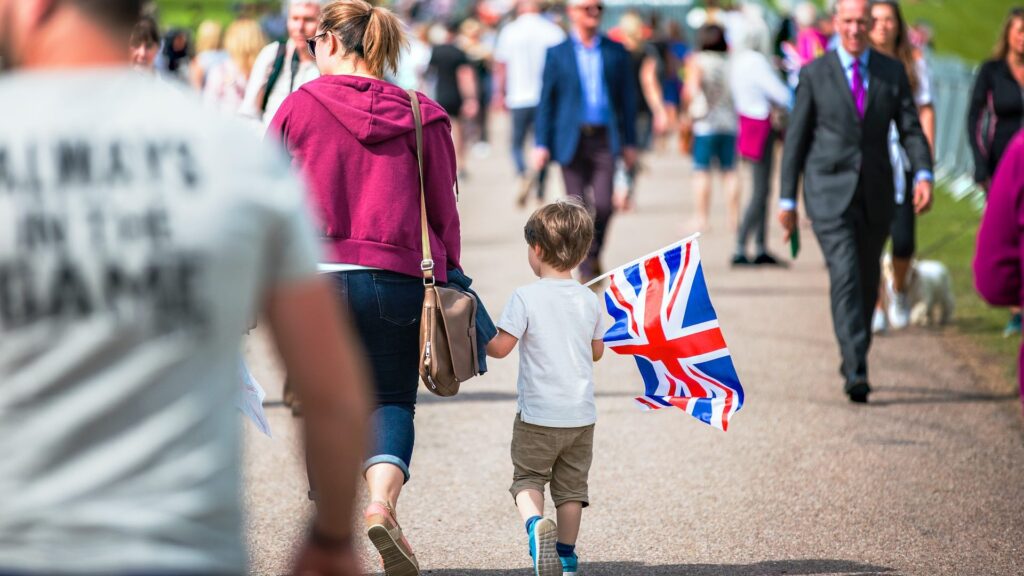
686	134
448	353
753	135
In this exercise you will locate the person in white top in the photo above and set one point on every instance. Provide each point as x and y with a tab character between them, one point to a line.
518	73
139	233
756	90
557	324
889	36
709	102
281	69
226	83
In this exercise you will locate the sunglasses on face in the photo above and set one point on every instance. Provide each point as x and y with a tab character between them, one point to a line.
311	43
592	9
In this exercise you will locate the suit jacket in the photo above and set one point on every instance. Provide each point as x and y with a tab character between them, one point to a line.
836	151
560	112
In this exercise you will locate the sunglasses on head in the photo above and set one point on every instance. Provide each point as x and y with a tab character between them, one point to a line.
311	43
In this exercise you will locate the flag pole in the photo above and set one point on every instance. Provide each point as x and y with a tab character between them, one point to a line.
642	258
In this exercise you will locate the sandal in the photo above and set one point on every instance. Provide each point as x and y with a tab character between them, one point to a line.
385	533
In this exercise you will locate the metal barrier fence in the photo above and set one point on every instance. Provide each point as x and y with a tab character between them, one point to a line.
952	81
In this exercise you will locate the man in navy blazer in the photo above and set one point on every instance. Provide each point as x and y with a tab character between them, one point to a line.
586	118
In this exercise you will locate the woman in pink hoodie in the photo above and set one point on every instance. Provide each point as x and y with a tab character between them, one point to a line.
999	256
353	137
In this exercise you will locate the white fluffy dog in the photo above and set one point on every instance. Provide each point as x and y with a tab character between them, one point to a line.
929	291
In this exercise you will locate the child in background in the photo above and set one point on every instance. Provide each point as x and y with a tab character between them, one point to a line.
557	323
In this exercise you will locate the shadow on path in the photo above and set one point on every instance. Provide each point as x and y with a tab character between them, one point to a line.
767	568
747	292
923	395
891	396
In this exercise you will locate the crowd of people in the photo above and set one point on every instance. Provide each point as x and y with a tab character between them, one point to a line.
152	226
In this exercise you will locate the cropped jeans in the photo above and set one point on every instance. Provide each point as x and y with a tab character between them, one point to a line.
385	309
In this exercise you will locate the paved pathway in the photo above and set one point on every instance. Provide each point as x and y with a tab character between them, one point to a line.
927	479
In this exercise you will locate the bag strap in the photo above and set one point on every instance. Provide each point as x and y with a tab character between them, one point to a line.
275	73
427	265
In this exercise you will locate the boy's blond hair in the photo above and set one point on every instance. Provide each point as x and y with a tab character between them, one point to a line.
564	231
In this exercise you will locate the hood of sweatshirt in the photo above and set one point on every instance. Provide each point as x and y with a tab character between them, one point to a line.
372	110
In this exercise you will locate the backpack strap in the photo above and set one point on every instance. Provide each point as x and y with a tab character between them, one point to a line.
275	72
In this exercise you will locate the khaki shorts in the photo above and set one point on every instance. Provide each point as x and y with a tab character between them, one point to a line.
561	456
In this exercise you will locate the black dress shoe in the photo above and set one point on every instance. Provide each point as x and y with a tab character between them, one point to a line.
858	392
766	259
741	260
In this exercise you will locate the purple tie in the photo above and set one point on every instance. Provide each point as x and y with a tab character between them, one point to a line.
859	95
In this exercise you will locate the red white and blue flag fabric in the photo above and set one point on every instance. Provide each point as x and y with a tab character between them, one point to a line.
664	319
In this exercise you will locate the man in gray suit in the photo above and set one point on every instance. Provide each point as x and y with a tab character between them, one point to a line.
838	140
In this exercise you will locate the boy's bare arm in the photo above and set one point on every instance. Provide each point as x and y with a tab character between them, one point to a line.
598	348
501	345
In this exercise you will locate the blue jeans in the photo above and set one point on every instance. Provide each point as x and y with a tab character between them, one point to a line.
522	122
385	308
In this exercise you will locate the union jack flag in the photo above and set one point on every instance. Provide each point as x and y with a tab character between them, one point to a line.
664	319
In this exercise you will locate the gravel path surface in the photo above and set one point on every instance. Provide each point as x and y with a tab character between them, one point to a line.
927	479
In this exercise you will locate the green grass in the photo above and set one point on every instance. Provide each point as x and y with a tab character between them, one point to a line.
189	13
947	234
965	28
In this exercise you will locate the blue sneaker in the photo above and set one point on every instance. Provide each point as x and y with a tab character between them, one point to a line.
570	564
1012	327
542	548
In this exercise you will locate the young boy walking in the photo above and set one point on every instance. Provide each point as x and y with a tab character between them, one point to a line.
557	323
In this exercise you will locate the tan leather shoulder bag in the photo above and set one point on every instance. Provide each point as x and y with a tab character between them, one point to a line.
448	353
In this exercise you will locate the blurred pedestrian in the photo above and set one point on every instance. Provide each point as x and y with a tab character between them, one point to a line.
998	270
519	72
756	91
889	36
209	52
352	134
826	25
810	42
283	67
673	50
651	118
227	81
709	100
175	56
480	51
996	111
280	69
456	87
586	118
144	44
838	141
414	59
169	227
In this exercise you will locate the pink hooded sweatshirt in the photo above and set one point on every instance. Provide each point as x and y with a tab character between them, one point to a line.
354	140
999	253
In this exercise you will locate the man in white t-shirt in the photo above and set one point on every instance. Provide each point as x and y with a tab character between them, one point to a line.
139	233
519	72
281	69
